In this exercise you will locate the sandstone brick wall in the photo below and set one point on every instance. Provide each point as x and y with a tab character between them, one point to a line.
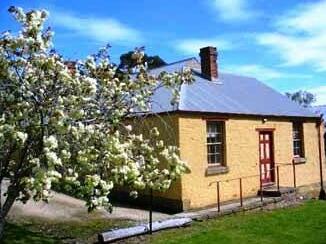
242	157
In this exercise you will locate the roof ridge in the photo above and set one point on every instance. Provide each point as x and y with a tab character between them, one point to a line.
239	75
182	60
176	62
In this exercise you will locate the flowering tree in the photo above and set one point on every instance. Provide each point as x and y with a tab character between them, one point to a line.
67	124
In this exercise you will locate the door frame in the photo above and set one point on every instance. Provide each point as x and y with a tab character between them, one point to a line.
269	131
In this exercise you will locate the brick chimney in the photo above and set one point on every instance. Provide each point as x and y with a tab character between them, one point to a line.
208	57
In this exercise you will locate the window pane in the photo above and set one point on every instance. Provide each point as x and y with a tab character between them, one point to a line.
296	135
297	144
218	158
211	149
219	137
219	127
267	150
211	159
262	151
211	139
268	170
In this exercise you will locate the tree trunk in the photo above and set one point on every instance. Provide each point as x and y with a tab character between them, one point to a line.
11	197
2	226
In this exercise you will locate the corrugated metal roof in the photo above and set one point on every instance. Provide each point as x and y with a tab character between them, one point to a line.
232	94
320	110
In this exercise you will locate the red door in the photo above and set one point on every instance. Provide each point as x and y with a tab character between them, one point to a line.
266	156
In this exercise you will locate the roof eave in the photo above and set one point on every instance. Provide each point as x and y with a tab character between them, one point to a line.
290	117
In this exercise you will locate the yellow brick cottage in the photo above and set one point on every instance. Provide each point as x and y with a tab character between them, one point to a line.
230	127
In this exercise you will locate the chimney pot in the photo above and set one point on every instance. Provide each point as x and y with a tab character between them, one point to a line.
208	60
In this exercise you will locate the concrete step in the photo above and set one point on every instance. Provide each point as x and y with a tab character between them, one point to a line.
272	191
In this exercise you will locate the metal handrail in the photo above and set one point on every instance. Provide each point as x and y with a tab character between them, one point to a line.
251	176
284	164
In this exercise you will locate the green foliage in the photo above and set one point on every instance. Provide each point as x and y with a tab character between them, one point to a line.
304	98
127	61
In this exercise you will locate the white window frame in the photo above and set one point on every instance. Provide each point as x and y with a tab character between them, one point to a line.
297	127
222	143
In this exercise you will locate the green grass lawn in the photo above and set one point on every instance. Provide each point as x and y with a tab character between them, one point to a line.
302	224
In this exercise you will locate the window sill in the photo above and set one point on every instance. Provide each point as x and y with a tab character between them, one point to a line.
299	160
216	169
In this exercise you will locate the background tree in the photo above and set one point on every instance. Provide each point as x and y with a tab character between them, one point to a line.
66	123
303	98
127	60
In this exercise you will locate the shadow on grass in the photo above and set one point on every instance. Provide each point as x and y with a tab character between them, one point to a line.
37	230
15	234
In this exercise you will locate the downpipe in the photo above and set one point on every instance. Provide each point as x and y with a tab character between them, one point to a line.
322	193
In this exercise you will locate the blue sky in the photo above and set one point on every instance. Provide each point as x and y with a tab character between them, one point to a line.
282	43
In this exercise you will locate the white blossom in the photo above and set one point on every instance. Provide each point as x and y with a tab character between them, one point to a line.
50	142
128	128
71	124
53	158
21	136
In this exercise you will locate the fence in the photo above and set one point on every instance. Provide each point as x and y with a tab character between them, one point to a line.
261	186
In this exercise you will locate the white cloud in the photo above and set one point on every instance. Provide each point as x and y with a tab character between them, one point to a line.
261	72
104	30
320	93
192	46
234	10
300	36
310	18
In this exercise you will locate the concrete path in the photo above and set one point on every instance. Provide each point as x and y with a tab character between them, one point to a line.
228	208
62	207
65	208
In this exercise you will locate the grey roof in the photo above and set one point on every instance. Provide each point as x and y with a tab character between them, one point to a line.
232	94
320	110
